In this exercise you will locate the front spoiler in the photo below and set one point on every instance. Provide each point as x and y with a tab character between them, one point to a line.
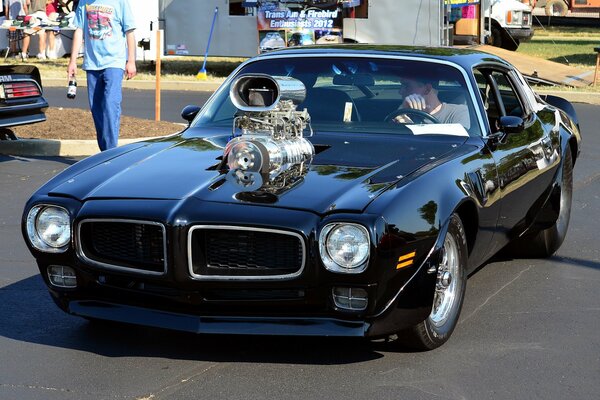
218	325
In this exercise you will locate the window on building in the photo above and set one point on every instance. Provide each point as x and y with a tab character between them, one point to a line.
242	7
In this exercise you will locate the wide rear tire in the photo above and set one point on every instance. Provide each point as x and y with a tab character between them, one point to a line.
548	241
451	283
544	243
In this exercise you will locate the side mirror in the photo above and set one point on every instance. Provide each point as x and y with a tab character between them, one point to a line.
189	112
510	124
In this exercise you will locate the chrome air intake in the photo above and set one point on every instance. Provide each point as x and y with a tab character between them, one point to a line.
268	130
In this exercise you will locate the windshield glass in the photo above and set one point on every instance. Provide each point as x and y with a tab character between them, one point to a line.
367	95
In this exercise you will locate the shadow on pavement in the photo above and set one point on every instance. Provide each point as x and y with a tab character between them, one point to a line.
29	315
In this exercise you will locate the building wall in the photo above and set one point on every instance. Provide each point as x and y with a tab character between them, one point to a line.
405	22
188	23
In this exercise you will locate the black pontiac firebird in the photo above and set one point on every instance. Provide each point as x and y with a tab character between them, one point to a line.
298	203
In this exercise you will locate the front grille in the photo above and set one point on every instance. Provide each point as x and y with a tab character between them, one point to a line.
124	244
239	252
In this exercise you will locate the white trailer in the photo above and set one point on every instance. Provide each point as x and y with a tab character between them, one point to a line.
187	25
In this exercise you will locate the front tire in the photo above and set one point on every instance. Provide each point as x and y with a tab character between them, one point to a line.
450	287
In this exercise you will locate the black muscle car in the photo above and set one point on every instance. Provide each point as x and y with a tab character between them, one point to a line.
307	197
21	98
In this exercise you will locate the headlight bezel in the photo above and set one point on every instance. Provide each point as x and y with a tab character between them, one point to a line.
329	261
33	233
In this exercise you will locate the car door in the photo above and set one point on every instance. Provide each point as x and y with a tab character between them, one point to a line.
527	159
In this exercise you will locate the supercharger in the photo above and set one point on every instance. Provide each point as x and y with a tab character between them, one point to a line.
272	130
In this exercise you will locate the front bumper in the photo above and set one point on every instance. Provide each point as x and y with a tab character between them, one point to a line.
23	114
523	34
219	325
300	305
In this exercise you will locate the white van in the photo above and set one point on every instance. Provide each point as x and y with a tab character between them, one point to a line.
510	23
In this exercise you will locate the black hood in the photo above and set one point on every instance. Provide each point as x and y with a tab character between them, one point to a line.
347	173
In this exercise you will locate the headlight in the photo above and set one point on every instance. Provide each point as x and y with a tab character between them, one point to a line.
345	247
49	228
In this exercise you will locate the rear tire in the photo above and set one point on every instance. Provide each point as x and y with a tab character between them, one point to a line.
451	283
545	243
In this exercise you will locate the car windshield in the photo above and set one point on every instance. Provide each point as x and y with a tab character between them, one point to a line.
366	95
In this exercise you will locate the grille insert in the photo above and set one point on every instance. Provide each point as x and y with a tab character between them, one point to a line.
224	252
123	244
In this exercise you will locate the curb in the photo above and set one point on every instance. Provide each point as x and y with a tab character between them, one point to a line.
54	148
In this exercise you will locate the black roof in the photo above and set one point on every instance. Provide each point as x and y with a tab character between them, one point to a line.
465	57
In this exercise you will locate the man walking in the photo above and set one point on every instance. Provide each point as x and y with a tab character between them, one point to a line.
106	28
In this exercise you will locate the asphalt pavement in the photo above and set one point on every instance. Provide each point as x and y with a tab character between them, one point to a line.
528	329
138	103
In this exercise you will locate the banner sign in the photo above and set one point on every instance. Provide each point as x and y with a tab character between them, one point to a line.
285	24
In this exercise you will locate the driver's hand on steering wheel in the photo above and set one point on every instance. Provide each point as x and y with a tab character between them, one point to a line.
415	101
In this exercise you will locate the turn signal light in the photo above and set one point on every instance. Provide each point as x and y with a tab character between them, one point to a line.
61	276
353	299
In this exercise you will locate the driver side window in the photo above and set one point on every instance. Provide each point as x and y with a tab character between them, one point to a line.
498	95
510	99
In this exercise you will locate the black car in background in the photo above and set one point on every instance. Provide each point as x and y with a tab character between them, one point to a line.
21	98
297	203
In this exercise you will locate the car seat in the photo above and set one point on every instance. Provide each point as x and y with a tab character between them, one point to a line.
328	105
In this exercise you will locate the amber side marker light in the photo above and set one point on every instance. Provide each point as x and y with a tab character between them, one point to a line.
406	260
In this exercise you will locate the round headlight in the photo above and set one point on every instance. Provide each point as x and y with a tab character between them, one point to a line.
345	247
49	228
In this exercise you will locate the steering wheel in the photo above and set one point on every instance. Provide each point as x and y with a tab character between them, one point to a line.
422	115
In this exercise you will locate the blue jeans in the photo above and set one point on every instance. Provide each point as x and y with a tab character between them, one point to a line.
105	95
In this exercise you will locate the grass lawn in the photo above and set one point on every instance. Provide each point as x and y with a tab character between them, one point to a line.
571	46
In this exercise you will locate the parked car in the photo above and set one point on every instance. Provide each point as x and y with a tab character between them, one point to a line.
300	39
296	204
21	98
271	41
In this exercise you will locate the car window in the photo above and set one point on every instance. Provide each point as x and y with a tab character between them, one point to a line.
530	95
510	98
351	94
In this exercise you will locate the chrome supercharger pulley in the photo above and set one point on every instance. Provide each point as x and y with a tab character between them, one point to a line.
272	130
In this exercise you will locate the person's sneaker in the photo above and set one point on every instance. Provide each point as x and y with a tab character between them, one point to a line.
51	55
41	56
24	56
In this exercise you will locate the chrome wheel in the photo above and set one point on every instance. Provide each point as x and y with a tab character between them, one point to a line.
447	283
448	295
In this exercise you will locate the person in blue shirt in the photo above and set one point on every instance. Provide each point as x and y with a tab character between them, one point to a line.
106	28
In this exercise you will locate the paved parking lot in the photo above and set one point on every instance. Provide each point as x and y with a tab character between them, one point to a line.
529	329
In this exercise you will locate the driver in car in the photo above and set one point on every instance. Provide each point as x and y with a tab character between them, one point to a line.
421	94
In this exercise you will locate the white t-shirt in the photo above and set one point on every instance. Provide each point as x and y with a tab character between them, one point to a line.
15	8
